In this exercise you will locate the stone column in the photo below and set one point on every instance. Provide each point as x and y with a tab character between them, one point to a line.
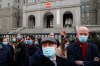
38	20
25	20
58	19
77	16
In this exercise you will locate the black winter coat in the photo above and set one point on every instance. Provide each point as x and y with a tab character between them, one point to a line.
43	61
5	56
21	55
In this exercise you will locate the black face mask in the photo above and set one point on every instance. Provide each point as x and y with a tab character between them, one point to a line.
62	36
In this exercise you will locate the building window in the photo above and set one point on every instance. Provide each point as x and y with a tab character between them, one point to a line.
67	19
31	22
8	4
15	0
18	1
18	6
48	20
24	1
82	11
33	0
15	14
87	13
18	24
0	23
0	5
18	13
0	11
82	0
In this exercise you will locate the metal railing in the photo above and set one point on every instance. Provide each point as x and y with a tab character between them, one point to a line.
43	35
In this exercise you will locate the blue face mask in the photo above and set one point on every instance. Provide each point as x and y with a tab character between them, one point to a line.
28	42
36	43
19	37
4	43
83	39
49	52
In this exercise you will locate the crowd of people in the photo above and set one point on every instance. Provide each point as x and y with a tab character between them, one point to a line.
36	51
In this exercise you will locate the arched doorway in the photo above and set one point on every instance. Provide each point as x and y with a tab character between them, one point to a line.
31	22
67	19
48	20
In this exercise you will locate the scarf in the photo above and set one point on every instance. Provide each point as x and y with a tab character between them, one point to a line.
83	48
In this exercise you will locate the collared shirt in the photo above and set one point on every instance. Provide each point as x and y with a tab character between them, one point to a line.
53	59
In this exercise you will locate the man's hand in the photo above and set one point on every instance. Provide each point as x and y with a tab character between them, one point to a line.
96	59
79	62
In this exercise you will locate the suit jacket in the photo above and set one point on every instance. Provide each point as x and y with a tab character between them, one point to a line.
74	53
47	62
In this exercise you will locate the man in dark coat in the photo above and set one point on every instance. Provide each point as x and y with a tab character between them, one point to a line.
21	53
82	53
5	57
5	54
95	40
36	56
49	58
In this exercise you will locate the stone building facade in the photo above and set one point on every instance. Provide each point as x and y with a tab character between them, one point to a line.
98	12
10	15
39	18
45	16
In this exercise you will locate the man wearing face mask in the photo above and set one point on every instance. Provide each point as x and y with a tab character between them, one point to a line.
36	43
20	52
49	58
6	57
30	44
82	53
19	37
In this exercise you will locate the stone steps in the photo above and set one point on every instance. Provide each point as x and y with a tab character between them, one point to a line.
48	30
